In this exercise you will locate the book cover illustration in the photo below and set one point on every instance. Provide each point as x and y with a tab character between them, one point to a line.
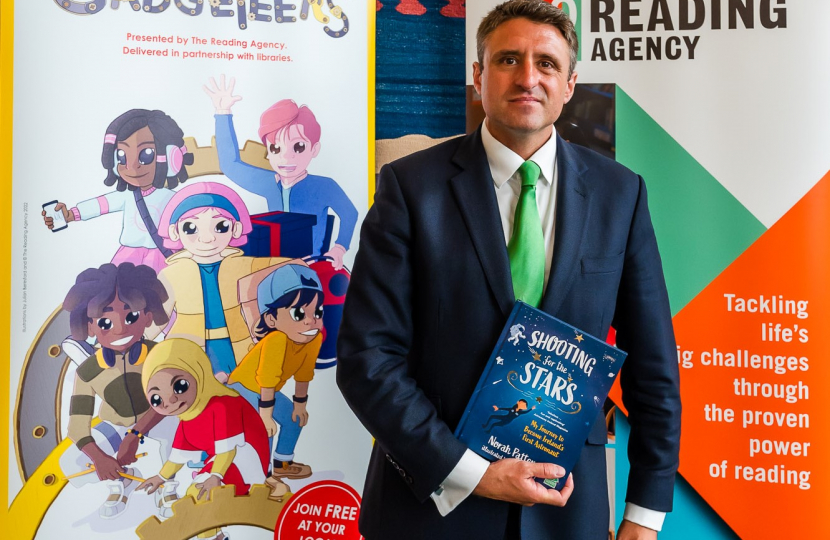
540	392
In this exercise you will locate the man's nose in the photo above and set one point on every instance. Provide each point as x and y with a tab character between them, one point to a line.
527	76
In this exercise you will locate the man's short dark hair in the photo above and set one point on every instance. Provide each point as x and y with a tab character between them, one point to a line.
537	11
95	289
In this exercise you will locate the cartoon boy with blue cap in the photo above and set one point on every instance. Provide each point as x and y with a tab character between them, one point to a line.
290	328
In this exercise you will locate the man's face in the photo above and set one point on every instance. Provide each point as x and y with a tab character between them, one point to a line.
524	81
119	326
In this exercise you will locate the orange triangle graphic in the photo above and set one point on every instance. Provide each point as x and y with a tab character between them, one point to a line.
756	340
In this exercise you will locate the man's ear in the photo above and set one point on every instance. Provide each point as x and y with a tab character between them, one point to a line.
173	232
315	149
477	69
569	92
237	230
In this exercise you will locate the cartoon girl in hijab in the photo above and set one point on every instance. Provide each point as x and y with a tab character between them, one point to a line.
145	156
178	380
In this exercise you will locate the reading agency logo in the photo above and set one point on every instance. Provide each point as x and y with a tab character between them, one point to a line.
573	8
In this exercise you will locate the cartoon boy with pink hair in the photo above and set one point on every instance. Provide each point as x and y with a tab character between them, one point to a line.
203	223
292	136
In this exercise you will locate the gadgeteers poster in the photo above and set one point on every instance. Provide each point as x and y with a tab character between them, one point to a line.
152	130
721	106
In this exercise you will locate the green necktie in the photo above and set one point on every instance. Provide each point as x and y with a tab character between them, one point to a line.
526	248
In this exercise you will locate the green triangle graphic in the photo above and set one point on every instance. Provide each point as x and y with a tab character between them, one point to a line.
701	228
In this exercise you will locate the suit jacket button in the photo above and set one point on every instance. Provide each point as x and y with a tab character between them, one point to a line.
388	458
409	479
401	472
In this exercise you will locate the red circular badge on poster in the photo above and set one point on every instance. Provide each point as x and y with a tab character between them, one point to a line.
326	510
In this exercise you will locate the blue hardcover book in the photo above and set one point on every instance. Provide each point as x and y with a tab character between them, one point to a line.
540	392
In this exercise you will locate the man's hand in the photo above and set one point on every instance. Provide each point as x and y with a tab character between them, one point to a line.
107	467
299	413
127	449
513	480
221	95
631	531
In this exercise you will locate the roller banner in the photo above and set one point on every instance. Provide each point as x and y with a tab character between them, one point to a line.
185	183
721	106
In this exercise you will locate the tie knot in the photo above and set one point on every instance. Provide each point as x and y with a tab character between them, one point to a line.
529	172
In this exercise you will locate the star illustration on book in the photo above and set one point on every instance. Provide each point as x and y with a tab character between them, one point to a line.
500	360
570	378
539	399
579	338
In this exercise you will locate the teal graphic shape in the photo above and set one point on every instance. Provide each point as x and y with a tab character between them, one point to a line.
701	227
691	518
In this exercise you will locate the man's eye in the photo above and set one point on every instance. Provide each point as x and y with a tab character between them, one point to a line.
189	227
146	156
181	386
104	323
132	317
223	226
299	147
318	313
274	149
155	400
297	313
121	156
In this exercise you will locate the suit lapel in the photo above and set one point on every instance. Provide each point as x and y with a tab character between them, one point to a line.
476	197
571	218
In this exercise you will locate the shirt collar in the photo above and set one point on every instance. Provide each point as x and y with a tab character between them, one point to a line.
504	162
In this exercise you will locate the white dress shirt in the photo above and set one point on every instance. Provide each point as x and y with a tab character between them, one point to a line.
504	167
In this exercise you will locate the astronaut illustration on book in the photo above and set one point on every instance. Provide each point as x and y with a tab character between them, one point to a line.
516	333
501	420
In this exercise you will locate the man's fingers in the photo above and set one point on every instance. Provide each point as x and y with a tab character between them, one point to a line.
569	487
231	85
546	470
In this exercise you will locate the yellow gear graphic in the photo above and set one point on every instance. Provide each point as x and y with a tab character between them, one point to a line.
191	517
215	3
251	16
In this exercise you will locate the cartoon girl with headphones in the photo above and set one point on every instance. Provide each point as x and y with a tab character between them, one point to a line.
145	157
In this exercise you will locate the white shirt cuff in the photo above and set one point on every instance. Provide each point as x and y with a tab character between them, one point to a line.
461	481
651	519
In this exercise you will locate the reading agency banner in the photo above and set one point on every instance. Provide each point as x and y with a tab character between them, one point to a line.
721	106
187	180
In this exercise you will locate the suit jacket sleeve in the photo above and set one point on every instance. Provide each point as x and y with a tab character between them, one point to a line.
374	369
649	378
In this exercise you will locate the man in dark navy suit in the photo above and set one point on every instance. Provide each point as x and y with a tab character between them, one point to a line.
458	233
